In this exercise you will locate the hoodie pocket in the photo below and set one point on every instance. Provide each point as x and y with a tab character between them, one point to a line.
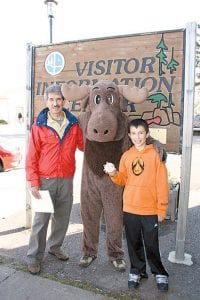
139	196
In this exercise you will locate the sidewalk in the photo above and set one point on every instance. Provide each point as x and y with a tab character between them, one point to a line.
66	280
20	285
100	275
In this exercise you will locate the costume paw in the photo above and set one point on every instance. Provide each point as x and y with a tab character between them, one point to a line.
109	167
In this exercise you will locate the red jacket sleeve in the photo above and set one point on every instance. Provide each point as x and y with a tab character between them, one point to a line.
32	157
80	143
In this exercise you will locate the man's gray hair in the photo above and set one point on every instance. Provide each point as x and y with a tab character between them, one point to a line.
54	88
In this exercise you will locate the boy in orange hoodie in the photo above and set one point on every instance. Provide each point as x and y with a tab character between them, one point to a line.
145	201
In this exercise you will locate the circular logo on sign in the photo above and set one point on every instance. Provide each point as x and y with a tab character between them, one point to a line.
54	63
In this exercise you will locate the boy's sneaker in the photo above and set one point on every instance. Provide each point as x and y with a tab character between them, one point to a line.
162	282
133	280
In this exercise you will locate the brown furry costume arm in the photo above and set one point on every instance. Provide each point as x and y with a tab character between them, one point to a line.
158	147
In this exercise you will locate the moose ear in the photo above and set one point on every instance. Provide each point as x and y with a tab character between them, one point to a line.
123	103
84	104
74	92
133	94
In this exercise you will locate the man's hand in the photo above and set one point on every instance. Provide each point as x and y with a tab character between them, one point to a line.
35	192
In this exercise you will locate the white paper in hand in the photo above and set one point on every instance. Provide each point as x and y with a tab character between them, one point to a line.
44	204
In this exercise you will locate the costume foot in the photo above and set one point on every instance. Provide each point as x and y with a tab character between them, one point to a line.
119	264
86	260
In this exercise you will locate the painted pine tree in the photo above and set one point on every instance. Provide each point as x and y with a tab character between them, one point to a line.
161	55
173	63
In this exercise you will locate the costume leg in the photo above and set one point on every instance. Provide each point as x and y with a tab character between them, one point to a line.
91	209
62	205
114	222
37	242
134	242
150	233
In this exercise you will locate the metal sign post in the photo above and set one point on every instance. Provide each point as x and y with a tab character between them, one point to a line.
29	70
179	256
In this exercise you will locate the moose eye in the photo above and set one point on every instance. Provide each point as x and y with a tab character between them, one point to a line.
97	99
109	99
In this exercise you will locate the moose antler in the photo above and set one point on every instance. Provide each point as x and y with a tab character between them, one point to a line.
74	92
133	94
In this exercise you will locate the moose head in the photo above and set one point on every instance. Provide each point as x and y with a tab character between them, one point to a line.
104	103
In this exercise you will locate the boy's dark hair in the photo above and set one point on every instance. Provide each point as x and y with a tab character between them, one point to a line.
138	122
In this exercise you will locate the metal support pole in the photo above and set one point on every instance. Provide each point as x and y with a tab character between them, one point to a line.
29	65
179	256
51	29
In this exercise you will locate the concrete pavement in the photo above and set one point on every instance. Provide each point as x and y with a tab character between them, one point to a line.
100	276
67	280
17	285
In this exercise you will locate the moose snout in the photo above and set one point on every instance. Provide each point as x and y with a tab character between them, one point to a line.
96	131
102	129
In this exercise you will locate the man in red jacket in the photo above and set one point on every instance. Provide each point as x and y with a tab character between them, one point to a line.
50	165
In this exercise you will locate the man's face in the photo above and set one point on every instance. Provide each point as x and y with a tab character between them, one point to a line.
55	103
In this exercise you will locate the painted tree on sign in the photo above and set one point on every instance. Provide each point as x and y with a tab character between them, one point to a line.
170	101
161	55
173	63
158	98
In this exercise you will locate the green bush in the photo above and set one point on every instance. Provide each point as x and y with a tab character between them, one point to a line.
3	122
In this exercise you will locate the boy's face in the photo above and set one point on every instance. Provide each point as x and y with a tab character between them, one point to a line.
138	136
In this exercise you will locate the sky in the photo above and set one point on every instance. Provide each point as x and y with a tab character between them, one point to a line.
26	21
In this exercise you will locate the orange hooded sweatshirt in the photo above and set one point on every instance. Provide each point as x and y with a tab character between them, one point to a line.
145	179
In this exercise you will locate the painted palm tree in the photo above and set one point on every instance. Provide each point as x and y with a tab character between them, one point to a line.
158	98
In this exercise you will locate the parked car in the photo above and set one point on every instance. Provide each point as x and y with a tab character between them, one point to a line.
10	156
196	121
